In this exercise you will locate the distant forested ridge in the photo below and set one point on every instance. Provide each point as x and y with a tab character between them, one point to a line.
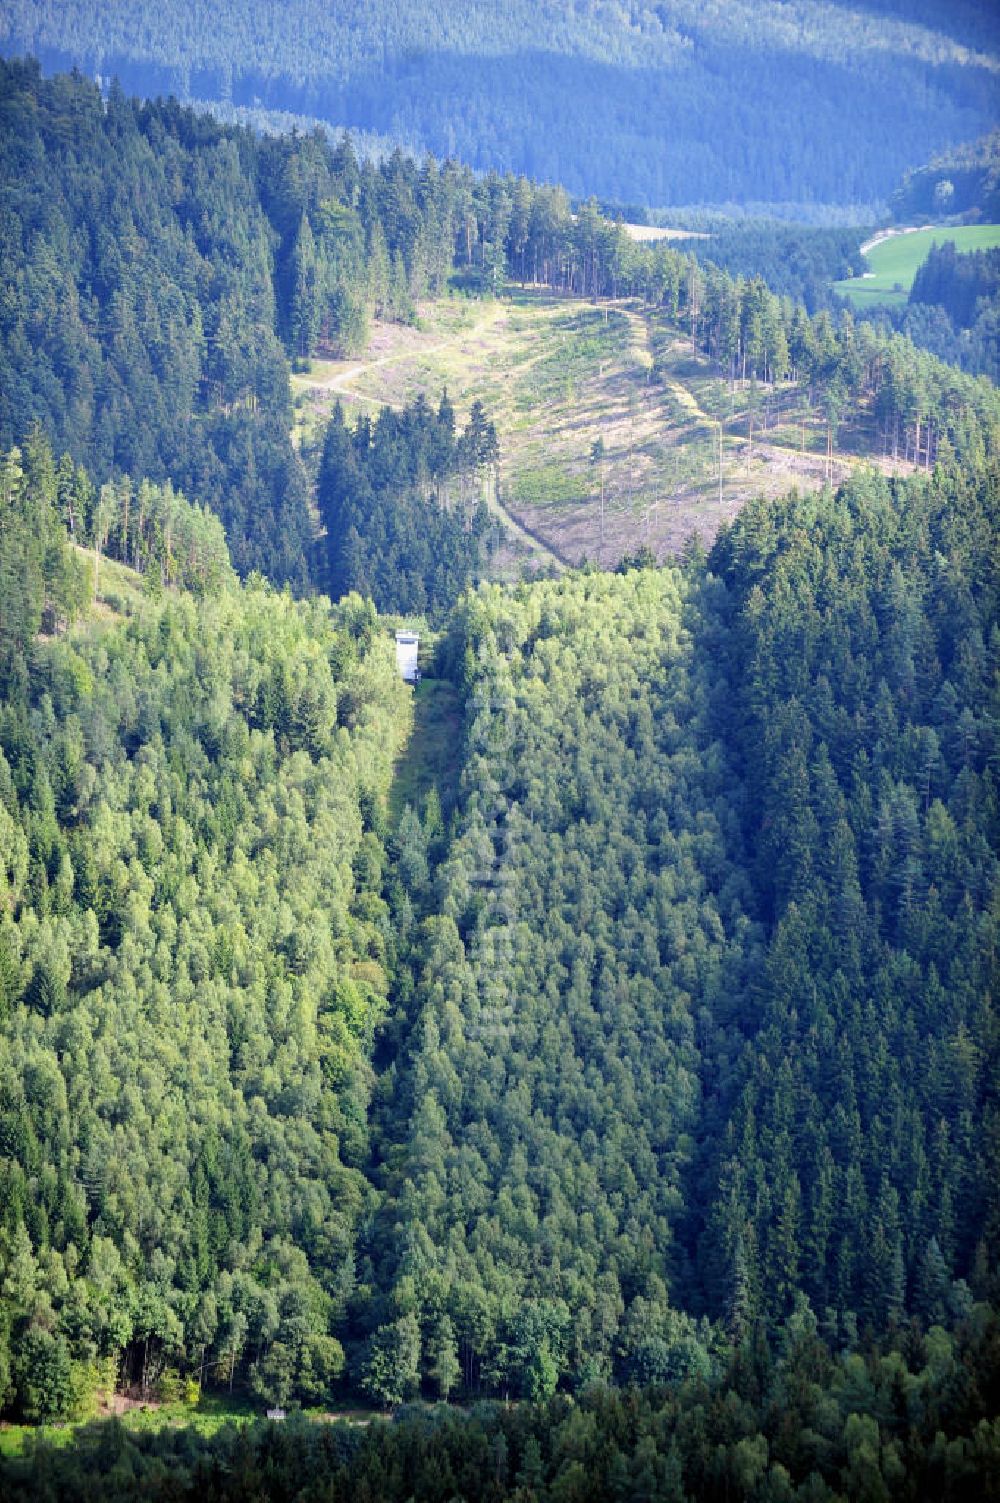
952	309
663	102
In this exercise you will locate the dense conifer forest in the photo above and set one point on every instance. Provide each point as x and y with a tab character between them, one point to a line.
402	502
589	1057
795	261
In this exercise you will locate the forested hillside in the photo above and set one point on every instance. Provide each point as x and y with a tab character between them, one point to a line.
159	270
661	102
862	722
793	260
678	1030
702	1017
952	307
192	967
138	318
964	285
598	1038
550	1075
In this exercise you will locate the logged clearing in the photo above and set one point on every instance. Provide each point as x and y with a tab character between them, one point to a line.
557	374
893	259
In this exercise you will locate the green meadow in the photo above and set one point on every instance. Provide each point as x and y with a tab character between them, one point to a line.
893	263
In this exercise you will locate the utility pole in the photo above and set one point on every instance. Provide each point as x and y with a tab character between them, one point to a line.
597	458
720	462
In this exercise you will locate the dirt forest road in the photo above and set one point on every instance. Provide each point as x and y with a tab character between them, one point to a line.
339	384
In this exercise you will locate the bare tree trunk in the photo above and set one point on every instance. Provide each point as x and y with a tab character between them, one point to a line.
601	560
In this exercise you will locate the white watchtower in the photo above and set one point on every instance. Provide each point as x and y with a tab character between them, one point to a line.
407	646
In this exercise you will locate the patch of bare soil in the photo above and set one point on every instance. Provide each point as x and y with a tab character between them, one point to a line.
123	1403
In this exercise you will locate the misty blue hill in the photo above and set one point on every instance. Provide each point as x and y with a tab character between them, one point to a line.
654	103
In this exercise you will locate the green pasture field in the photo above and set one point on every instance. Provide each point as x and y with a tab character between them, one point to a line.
894	262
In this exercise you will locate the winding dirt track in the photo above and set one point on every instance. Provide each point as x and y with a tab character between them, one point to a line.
339	384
